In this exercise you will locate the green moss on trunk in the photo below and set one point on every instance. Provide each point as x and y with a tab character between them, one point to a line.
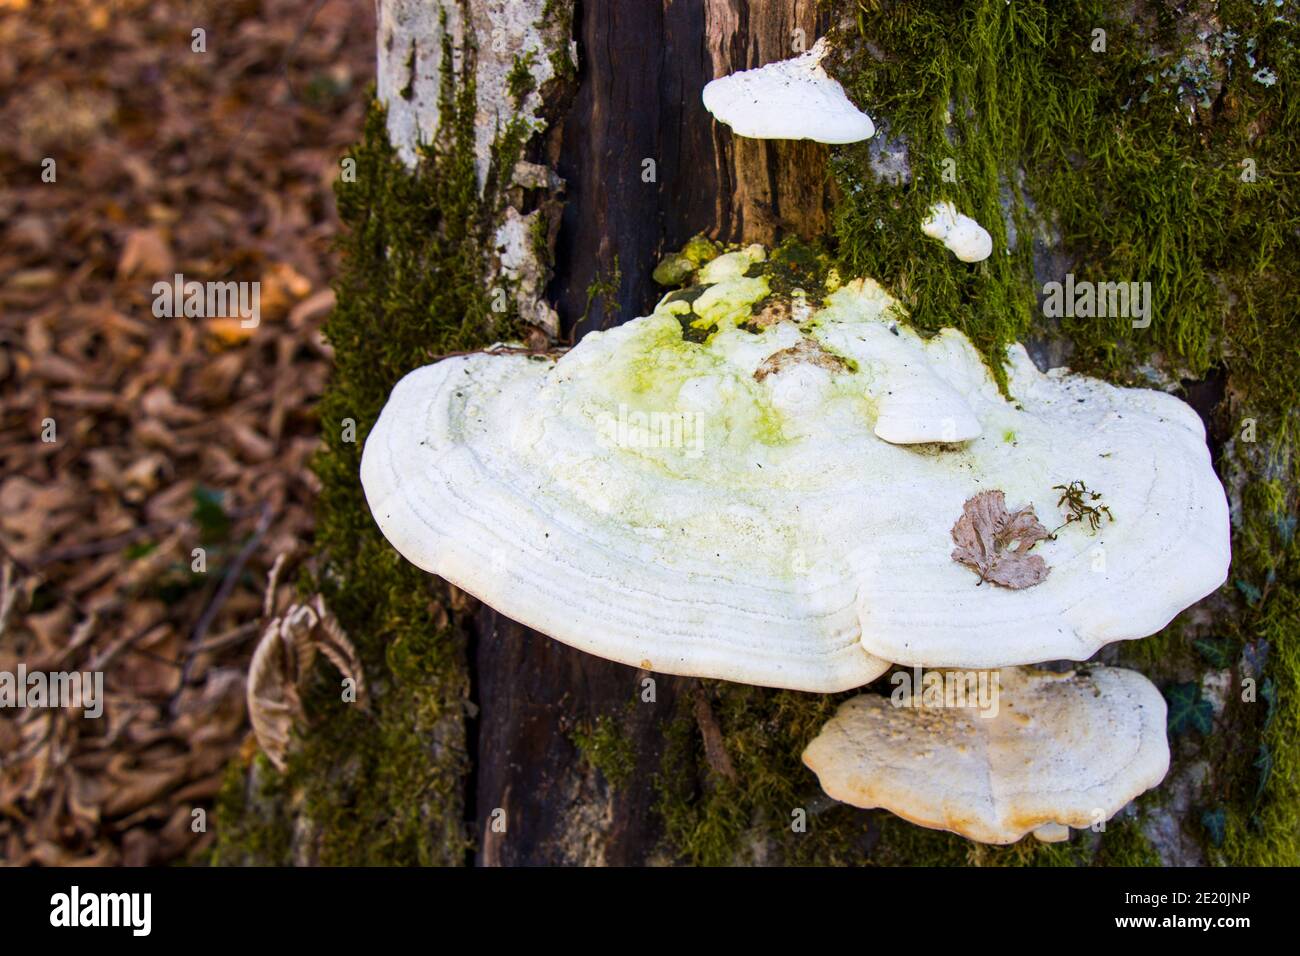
386	786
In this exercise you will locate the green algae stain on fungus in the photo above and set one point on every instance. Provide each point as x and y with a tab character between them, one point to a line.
701	250
649	371
726	296
728	302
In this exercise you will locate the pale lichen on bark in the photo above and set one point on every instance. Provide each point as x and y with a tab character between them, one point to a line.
510	50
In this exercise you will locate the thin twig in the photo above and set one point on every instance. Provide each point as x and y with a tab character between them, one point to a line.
105	657
503	350
28	571
75	552
715	751
226	588
232	637
231	577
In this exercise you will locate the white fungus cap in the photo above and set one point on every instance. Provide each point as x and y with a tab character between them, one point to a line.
789	99
966	238
1039	754
742	508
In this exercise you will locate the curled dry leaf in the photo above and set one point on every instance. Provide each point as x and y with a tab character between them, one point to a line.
280	664
995	542
273	701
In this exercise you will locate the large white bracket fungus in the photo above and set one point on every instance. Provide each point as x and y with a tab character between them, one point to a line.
670	495
964	237
1050	751
789	99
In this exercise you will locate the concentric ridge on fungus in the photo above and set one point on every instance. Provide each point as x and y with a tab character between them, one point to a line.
649	499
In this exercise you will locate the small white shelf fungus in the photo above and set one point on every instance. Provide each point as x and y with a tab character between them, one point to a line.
698	493
789	99
1044	752
964	237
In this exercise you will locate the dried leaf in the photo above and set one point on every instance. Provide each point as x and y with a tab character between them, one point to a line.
146	252
226	330
148	411
314	307
995	542
338	650
282	660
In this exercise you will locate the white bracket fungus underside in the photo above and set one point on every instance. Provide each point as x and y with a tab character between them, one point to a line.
649	499
789	99
1059	750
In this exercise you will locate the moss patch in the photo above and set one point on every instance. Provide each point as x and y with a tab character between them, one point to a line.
254	827
605	746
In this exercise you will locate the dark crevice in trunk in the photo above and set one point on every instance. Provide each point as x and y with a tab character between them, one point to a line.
1206	395
473	720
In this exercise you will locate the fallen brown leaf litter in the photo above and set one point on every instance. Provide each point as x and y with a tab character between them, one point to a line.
169	434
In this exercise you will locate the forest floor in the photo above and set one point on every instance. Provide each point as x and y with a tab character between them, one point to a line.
129	441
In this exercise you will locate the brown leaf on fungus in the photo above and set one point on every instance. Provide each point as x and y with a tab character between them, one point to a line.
283	658
995	542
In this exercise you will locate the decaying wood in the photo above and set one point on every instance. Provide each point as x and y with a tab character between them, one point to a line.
644	66
715	751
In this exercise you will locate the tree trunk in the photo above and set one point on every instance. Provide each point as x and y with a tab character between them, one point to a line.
644	168
592	155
